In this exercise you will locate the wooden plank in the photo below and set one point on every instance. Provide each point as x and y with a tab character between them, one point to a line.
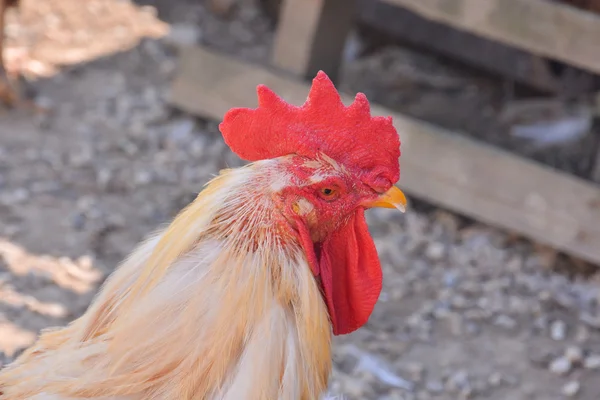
413	30
311	35
450	170
542	27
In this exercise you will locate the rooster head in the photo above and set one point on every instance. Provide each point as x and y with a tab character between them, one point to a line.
333	162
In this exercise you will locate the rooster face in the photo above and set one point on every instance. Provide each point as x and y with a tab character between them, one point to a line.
322	195
323	203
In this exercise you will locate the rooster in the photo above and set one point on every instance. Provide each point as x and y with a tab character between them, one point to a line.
239	296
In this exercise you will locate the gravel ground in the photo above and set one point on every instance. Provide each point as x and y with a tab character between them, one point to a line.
467	312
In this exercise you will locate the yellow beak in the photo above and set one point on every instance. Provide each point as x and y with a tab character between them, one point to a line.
393	198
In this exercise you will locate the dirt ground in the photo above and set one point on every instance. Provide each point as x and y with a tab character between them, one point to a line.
467	311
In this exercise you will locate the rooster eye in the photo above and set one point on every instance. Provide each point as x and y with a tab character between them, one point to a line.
328	193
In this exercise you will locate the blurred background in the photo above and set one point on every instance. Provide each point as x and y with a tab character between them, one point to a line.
491	284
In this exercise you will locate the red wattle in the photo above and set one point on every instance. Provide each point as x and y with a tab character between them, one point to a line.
350	273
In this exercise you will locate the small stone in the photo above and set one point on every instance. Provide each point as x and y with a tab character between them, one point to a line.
564	300
78	220
414	320
495	379
128	147
574	354
82	157
592	362
435	251
450	279
545	296
504	321
103	177
183	34
143	177
571	388
459	302
558	330
470	287
561	366
458	381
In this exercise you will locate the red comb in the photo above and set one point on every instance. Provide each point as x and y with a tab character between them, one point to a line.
349	135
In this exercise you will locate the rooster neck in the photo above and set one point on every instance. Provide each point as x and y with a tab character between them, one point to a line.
266	324
251	222
271	302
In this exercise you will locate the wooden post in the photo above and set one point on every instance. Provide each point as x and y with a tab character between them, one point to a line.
311	35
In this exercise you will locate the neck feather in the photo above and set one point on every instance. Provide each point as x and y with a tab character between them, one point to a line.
264	305
220	305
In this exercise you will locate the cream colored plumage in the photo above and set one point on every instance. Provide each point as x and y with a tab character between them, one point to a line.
174	322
